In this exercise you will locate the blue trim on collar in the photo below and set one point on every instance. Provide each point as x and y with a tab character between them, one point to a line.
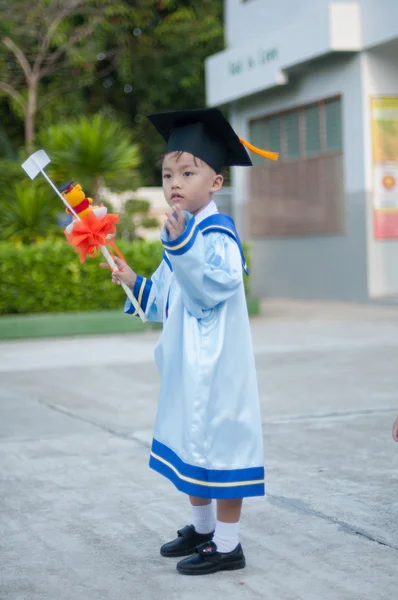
223	224
184	242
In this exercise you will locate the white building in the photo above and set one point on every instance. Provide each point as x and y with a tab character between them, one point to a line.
318	81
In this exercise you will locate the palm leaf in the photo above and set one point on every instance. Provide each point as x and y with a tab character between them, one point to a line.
90	151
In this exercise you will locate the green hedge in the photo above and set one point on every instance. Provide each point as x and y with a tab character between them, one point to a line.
48	277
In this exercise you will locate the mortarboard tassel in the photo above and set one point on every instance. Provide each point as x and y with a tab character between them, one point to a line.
264	153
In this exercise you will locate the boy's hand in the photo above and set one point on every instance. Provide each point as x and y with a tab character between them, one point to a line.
175	222
124	273
395	430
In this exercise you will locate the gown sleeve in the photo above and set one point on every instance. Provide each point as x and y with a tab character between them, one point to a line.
208	268
149	295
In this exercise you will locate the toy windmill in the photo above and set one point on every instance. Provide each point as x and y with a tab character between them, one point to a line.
33	166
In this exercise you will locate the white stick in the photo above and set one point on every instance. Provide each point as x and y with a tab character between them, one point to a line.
129	293
60	195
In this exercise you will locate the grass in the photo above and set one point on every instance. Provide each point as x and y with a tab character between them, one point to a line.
81	323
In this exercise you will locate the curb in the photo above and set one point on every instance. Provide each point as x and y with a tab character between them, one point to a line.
51	325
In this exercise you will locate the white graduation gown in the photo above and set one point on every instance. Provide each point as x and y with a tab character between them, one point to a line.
208	434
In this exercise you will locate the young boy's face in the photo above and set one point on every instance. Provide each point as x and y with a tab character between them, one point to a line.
188	181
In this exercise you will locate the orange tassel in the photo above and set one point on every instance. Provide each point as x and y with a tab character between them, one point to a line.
116	249
264	153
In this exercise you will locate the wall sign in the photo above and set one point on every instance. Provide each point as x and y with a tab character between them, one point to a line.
384	112
261	57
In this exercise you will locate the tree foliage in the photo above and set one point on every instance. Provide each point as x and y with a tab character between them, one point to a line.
93	151
29	214
168	70
51	47
124	58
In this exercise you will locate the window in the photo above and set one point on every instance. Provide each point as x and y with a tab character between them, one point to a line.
312	130
257	136
273	133
333	125
306	131
301	194
292	133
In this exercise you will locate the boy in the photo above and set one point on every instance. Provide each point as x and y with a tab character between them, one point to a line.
208	436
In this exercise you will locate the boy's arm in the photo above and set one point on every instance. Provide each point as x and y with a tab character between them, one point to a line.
395	430
208	270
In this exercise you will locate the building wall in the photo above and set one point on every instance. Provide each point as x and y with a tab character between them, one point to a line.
313	267
255	18
379	20
266	59
281	55
246	20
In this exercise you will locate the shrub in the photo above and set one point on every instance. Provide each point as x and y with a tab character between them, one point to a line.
48	277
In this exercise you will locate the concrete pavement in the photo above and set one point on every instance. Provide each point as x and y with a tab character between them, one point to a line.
82	516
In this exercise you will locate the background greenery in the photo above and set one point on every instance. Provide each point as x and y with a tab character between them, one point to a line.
48	277
78	78
121	58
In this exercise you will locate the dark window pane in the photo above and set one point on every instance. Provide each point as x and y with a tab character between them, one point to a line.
312	130
274	134
257	138
333	125
292	130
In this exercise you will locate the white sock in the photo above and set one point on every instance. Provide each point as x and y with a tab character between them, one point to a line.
203	518
226	536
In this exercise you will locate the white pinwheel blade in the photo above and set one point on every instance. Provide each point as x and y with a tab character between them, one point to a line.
35	163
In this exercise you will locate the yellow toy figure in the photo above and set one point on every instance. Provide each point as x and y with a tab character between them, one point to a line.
92	226
81	205
76	198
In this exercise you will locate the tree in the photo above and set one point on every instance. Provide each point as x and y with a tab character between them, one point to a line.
168	70
49	42
137	57
162	67
93	151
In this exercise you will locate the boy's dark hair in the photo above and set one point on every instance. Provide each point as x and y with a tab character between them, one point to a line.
177	154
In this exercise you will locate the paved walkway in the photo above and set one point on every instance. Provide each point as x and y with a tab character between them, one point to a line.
82	516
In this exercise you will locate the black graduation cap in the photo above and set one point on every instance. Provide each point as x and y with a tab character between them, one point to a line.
205	133
65	186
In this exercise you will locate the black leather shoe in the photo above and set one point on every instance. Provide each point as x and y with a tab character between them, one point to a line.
208	560
186	542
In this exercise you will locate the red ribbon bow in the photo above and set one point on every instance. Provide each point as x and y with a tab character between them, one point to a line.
90	233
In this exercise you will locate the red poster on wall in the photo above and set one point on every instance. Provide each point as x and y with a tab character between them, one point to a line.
385	167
